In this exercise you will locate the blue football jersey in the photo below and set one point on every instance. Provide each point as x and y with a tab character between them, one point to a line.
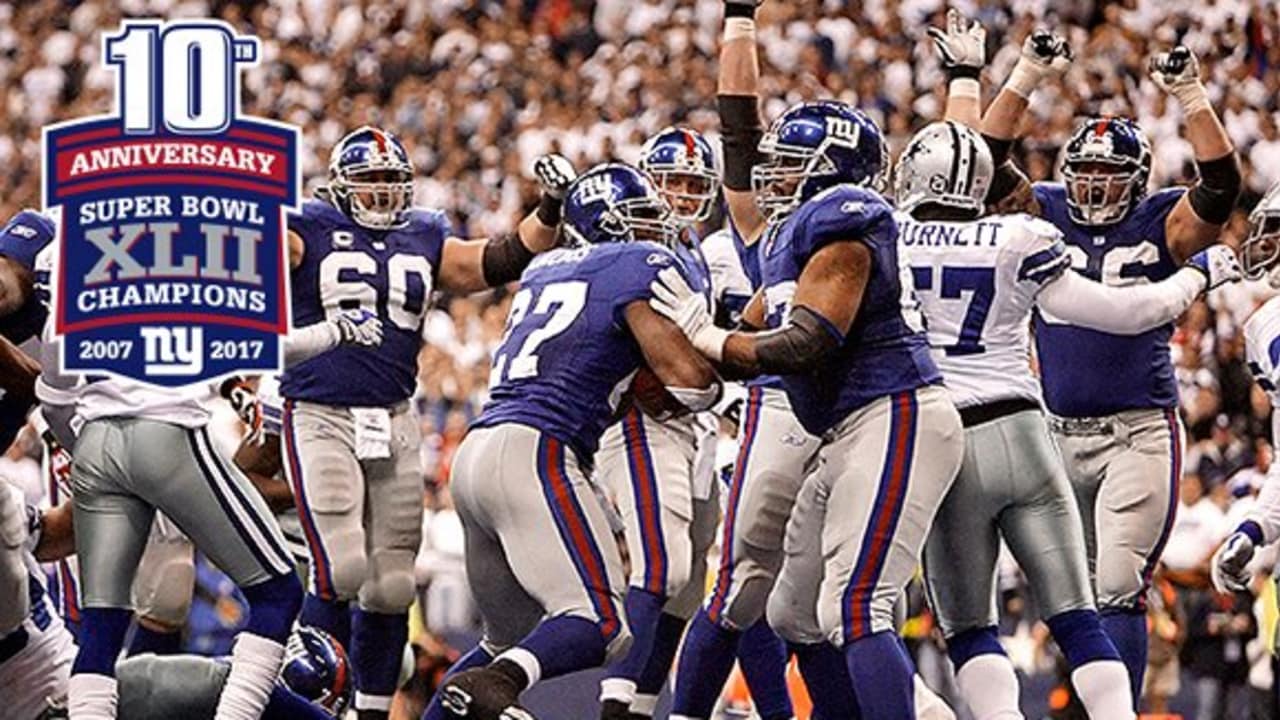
885	350
567	355
1088	373
21	239
390	273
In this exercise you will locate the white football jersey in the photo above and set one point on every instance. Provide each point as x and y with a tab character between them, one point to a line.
271	405
36	657
977	283
730	283
1262	347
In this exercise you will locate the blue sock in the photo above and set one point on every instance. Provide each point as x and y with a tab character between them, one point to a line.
705	664
101	641
1127	629
666	641
377	649
964	646
644	609
827	677
882	676
1080	636
331	616
146	640
287	705
477	657
566	645
763	658
273	606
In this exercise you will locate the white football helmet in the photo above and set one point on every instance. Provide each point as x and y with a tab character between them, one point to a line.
945	164
1260	251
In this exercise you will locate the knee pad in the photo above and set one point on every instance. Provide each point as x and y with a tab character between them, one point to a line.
389	586
793	622
347	566
162	591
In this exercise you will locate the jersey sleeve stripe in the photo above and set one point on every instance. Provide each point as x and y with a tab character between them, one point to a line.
1045	265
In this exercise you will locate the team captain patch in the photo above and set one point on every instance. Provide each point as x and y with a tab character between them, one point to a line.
171	267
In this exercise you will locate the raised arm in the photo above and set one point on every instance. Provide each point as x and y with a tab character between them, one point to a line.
1134	309
962	52
1197	219
473	265
1044	57
738	100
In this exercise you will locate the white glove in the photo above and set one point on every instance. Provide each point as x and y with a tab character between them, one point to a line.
1044	56
1229	567
679	303
962	46
358	327
1177	72
1219	265
554	173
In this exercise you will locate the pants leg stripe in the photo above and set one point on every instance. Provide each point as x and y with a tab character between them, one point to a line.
228	508
68	594
725	574
575	532
252	528
644	483
321	569
274	539
890	499
1175	480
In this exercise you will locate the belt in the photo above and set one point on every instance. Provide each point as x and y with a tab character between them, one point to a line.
13	643
978	414
1083	426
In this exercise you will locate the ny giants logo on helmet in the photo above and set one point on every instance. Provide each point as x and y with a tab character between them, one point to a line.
171	265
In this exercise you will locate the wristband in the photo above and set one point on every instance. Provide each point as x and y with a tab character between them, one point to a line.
549	210
1192	97
964	86
1024	79
736	28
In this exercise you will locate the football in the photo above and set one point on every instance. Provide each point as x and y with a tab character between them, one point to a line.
652	397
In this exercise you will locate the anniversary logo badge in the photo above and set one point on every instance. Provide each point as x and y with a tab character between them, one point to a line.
172	267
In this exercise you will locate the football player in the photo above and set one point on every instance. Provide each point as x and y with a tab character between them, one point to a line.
846	337
978	281
1260	254
22	311
664	483
349	436
1113	398
579	330
37	650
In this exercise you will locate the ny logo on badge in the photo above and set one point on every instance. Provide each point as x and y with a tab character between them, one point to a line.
171	247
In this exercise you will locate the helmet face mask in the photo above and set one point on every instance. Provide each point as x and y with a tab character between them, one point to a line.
682	166
372	179
1105	170
1100	192
1260	251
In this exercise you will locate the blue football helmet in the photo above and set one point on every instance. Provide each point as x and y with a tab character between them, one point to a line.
815	146
1105	169
617	203
316	668
371	178
683	166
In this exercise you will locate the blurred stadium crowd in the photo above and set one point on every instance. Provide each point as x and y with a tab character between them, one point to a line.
479	88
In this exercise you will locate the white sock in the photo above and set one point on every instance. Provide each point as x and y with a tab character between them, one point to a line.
372	702
928	705
644	705
618	689
990	688
255	662
91	697
1103	687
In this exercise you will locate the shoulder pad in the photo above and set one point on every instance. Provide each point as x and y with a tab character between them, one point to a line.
844	212
1158	204
426	220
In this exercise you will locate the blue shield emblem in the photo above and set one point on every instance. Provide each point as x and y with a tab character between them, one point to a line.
172	262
